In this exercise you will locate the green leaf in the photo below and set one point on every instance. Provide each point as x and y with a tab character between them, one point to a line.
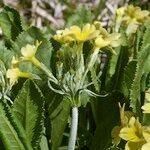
59	121
107	117
44	143
116	69
146	37
94	79
81	16
135	97
111	67
28	109
10	23
128	76
8	134
5	55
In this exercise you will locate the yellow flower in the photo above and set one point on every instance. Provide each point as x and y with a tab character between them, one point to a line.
75	33
112	40
133	134
28	52
15	73
120	11
146	107
137	14
63	36
88	32
130	17
124	119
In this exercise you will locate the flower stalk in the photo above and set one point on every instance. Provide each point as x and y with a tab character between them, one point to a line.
74	127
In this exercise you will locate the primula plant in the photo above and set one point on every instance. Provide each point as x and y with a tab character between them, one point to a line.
82	87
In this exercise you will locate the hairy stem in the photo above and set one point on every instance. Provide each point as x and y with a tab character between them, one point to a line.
73	131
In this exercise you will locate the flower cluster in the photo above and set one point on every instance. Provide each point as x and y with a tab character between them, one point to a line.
71	70
28	53
72	66
131	130
90	32
130	17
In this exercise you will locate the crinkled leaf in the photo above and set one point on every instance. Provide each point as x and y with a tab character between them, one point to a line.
135	102
10	23
28	109
146	37
8	134
5	55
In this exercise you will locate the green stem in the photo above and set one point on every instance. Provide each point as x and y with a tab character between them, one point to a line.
41	66
74	127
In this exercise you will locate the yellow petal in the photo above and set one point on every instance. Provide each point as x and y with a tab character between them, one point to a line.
120	11
13	75
133	132
28	51
100	42
75	29
128	134
134	145
87	28
146	146
14	60
146	134
147	94
146	108
115	135
114	39
132	27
